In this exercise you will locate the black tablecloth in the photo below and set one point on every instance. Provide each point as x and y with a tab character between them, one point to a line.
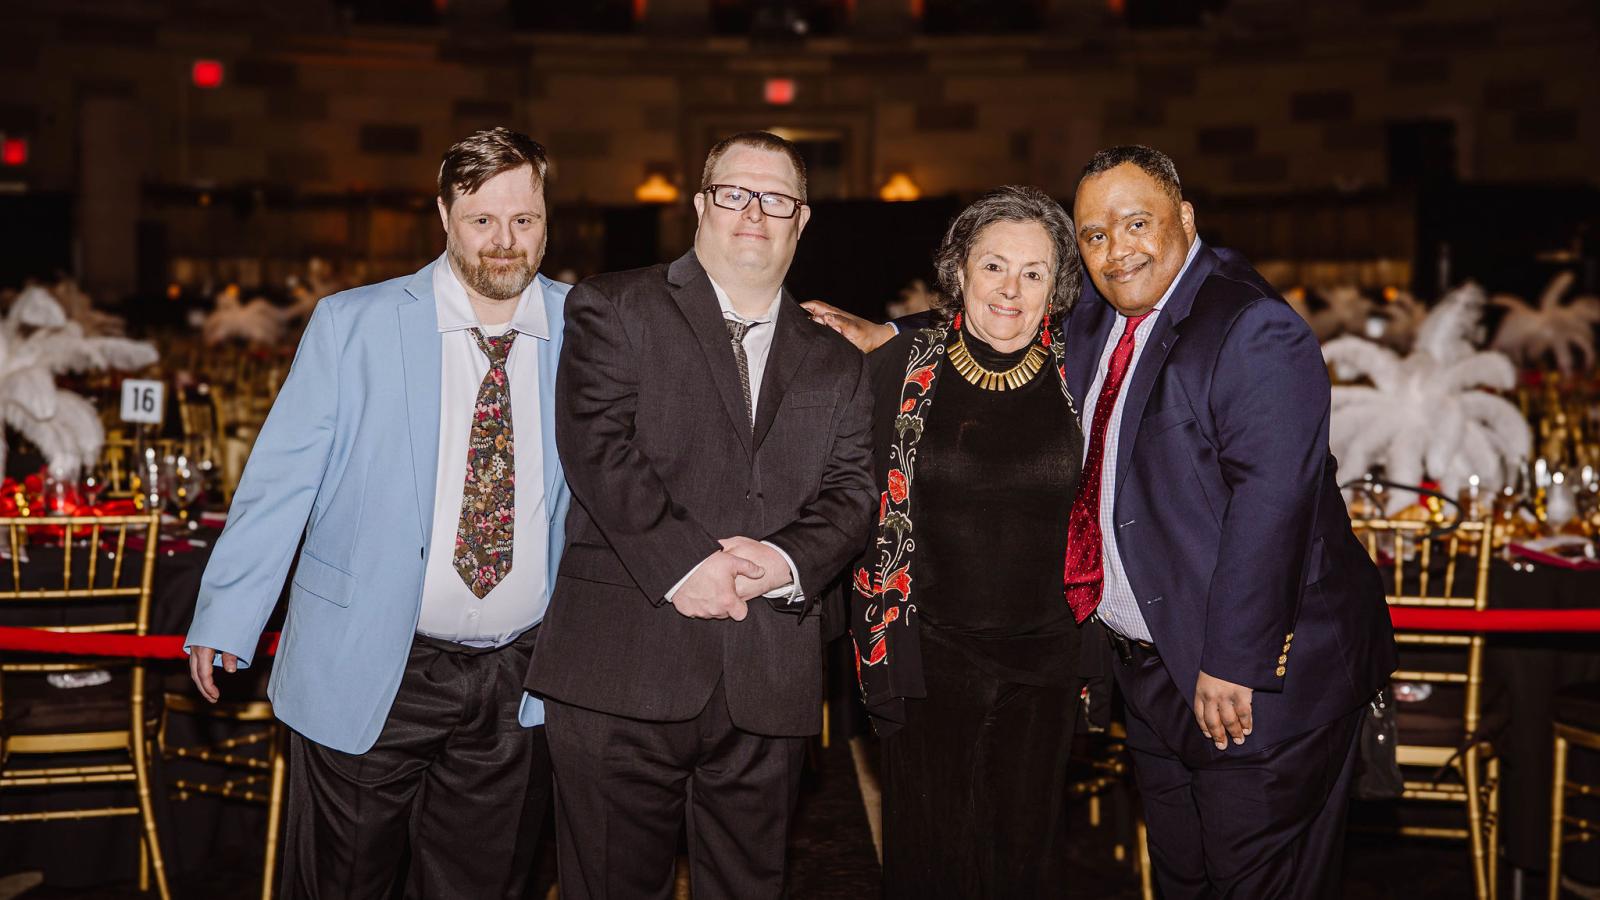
1522	672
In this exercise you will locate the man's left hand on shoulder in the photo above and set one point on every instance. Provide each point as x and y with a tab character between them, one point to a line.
1222	710
775	567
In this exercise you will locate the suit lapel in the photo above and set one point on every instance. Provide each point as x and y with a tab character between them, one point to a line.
420	354
698	302
549	357
1163	337
791	341
1087	331
1154	356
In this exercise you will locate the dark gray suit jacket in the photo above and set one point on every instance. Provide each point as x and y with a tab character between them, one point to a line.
651	426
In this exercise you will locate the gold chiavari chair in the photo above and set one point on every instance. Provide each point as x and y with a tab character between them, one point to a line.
200	417
242	409
250	765
44	731
120	458
1577	725
1100	768
1445	758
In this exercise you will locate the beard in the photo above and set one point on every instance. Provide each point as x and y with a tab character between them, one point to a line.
495	274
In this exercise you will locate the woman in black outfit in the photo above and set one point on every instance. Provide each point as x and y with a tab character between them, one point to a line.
966	649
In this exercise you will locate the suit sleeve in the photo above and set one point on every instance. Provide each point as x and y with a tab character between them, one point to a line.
247	568
831	530
597	397
1270	404
913	322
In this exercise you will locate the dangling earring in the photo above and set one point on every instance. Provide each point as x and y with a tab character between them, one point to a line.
1044	334
957	323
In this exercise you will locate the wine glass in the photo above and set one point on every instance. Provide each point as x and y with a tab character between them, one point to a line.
55	490
93	485
186	482
155	480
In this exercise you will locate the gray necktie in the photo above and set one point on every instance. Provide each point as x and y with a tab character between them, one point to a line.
736	333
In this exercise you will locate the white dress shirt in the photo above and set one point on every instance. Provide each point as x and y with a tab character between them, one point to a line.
1119	608
757	347
449	608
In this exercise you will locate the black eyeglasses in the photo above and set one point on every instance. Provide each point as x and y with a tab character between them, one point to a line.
736	198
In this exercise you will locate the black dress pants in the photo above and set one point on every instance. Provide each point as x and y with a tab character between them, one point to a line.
624	788
1255	824
974	786
453	776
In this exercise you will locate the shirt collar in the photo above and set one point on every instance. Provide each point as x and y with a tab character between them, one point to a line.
455	310
727	305
1194	250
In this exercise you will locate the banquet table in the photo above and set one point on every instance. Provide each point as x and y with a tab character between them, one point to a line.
1522	673
98	851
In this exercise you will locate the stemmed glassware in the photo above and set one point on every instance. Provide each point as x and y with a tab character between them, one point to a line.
94	481
186	481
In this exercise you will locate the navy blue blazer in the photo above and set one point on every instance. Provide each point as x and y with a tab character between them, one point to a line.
1229	520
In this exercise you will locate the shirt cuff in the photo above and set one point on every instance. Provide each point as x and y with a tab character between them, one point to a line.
686	576
789	593
896	328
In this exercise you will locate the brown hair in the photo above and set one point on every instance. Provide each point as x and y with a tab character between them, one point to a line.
484	154
1011	203
761	140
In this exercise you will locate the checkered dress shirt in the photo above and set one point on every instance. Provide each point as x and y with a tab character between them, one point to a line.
1119	608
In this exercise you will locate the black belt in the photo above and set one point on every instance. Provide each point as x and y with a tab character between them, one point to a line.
523	640
1127	649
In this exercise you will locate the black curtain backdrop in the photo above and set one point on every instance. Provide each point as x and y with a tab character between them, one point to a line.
859	254
36	231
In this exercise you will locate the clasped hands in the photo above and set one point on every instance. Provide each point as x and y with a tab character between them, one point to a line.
722	586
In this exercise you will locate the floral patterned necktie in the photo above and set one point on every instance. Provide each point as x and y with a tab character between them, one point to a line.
488	501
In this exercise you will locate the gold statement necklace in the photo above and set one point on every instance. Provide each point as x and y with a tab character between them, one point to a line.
1014	377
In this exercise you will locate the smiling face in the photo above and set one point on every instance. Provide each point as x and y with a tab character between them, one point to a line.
1134	236
496	236
749	246
1007	282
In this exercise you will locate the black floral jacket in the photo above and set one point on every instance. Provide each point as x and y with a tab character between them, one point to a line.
883	611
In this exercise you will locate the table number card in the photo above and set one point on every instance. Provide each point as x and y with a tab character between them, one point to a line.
143	401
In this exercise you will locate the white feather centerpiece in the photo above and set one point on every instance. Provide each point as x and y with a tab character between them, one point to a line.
79	308
1401	315
1553	329
1427	415
1344	310
258	323
37	343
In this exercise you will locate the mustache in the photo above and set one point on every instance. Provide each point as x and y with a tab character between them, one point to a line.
503	254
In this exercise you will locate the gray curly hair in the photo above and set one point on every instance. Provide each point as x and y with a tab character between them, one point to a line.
1011	203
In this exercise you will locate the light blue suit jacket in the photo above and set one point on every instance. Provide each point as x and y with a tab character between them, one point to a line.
348	458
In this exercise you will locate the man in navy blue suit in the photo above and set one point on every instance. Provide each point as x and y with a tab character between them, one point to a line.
1214	548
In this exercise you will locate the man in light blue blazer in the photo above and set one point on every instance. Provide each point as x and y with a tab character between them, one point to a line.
395	450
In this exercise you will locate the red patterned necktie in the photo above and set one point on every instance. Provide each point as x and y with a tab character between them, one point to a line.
1085	575
489	498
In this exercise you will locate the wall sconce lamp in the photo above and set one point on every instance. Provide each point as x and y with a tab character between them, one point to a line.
898	188
656	189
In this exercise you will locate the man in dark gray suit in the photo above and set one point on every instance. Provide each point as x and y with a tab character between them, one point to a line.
718	447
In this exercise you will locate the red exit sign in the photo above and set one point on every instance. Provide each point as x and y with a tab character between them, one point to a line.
779	91
14	151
